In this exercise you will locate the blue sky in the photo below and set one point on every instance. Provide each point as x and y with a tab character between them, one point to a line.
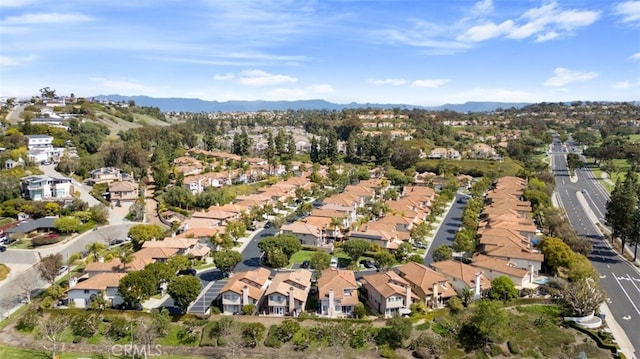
420	52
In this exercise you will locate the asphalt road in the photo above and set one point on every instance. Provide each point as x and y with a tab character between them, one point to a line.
618	278
448	228
49	170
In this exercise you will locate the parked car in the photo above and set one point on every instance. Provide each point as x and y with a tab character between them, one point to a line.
267	225
116	242
188	271
367	264
3	248
305	264
62	270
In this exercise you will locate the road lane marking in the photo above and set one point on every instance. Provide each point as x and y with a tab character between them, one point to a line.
626	294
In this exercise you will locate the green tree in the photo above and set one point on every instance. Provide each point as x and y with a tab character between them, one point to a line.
236	230
140	233
49	267
403	251
162	271
125	256
384	260
160	168
583	296
415	258
276	258
99	214
573	161
503	288
355	248
320	260
178	262
490	321
464	241
286	243
67	224
136	287
621	206
397	330
184	290
556	253
442	253
226	260
94	249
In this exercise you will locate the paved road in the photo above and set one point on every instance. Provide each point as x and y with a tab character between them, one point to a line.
114	217
619	279
251	253
449	226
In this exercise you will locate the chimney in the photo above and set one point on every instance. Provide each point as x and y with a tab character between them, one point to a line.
292	301
332	307
245	295
101	259
531	273
477	291
73	282
407	302
434	297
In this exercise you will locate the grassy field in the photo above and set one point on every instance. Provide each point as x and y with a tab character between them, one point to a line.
634	138
19	353
4	271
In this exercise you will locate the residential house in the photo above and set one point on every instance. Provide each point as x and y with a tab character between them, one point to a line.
287	294
42	187
387	239
447	153
103	285
308	234
11	164
123	191
338	293
185	246
244	288
493	268
38	141
462	276
387	293
141	259
431	287
107	175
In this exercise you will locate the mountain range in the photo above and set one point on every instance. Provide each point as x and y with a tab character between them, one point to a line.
177	104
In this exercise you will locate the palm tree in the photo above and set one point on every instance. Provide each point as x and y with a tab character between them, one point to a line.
467	295
336	223
125	257
94	249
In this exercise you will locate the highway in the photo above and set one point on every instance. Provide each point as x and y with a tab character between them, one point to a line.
585	204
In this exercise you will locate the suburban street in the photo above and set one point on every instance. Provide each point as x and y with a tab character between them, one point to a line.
449	226
583	203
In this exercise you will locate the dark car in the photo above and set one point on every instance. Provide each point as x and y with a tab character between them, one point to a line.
116	242
267	225
305	264
188	271
3	248
367	264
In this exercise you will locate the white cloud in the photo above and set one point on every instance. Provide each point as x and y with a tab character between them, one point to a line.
393	82
435	83
486	31
45	18
483	6
635	56
564	76
262	78
629	10
544	23
8	62
224	77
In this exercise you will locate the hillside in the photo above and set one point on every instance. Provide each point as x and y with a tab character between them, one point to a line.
198	105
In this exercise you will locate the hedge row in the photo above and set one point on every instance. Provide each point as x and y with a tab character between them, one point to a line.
594	335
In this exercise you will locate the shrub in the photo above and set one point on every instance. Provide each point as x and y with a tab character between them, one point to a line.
248	309
387	352
43	241
513	347
359	311
28	321
118	327
495	350
85	324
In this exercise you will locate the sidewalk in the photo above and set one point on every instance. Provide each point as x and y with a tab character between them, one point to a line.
618	333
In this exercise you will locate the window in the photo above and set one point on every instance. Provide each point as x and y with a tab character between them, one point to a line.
346	292
86	291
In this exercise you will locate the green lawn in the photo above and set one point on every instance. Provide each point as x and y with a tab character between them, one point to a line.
19	353
634	138
6	220
300	256
21	244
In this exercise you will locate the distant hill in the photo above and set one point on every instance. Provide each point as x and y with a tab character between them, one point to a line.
176	104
